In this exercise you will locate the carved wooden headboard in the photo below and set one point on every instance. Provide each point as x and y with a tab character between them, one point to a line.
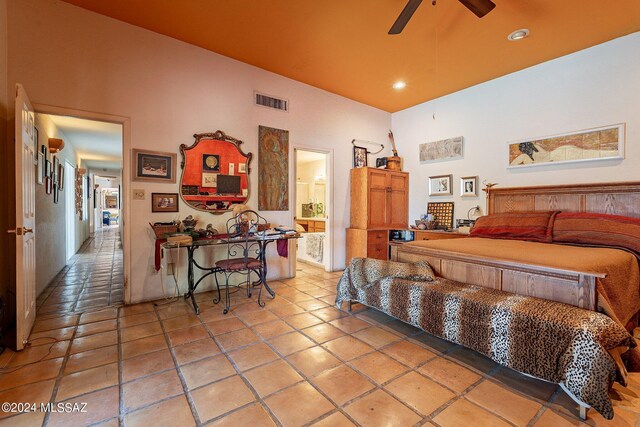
618	198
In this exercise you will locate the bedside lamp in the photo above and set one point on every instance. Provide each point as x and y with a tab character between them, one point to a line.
55	145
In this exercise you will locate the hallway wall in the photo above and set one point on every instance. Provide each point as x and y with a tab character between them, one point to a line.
50	217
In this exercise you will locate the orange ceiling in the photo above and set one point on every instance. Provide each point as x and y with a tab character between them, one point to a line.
342	46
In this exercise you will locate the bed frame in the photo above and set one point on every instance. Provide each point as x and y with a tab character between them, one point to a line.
577	288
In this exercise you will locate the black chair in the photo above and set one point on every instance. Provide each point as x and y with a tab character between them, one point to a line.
245	254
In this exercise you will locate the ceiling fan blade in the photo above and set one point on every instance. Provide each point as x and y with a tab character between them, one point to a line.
479	7
404	17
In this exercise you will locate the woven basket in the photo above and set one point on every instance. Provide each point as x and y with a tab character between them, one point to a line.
161	230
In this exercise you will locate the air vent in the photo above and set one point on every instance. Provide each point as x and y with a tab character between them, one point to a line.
271	102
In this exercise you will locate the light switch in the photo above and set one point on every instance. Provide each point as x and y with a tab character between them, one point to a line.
138	194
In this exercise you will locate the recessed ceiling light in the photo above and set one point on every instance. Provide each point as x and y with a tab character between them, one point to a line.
518	34
399	85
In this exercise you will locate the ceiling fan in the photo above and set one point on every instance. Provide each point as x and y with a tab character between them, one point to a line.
478	7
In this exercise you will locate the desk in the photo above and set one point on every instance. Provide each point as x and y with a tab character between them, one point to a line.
263	242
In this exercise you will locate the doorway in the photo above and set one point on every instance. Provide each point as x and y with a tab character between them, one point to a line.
313	204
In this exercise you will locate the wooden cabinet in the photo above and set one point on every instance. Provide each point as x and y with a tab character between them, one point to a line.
311	225
379	198
379	202
367	244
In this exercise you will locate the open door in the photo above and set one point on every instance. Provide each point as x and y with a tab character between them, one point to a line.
25	218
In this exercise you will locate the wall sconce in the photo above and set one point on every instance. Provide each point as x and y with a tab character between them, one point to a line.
81	171
55	145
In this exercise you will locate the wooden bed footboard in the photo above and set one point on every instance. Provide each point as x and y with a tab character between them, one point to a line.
566	286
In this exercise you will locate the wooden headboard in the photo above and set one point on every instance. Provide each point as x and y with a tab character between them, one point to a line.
618	198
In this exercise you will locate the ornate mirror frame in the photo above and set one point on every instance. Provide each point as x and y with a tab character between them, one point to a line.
216	136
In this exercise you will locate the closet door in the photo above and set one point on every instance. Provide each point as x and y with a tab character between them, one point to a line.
398	200
377	203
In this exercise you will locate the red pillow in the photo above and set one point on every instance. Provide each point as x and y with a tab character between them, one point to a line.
534	226
597	229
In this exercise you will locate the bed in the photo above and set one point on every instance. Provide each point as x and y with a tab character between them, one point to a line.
594	278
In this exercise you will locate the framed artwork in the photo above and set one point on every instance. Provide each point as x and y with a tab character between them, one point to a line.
242	168
164	202
154	166
48	183
469	186
54	172
47	168
440	185
209	180
381	162
273	169
603	143
443	150
40	168
442	213
36	135
211	162
359	157
60	177
55	193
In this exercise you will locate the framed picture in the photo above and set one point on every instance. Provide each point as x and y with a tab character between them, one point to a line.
47	168
211	162
40	169
469	186
602	143
359	157
381	162
36	134
54	172
242	168
55	193
209	180
60	177
164	202
48	182
440	185
154	166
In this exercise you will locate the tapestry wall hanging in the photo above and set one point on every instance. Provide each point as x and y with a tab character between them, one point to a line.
446	149
273	169
604	143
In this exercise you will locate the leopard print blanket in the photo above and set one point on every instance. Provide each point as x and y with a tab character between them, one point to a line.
546	339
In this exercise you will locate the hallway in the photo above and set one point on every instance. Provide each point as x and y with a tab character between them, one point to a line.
92	279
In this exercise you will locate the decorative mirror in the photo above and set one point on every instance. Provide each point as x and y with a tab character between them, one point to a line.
215	173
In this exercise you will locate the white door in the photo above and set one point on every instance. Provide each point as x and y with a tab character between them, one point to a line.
25	218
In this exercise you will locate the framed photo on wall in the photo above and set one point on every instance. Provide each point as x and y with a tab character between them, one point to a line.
60	177
440	185
36	134
40	169
211	162
359	157
164	202
209	180
154	166
469	186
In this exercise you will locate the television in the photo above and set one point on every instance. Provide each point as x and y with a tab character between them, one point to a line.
228	184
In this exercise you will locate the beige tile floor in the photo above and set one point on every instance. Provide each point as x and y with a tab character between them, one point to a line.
296	362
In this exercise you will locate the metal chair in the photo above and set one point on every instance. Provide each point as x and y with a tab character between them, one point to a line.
245	254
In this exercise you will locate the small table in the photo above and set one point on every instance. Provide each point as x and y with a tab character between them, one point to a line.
262	241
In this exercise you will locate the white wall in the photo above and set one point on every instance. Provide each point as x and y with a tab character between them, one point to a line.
171	90
50	217
594	87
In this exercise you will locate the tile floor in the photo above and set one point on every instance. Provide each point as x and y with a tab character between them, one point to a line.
296	362
93	278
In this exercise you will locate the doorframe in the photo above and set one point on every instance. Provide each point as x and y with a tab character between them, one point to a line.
126	175
329	225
